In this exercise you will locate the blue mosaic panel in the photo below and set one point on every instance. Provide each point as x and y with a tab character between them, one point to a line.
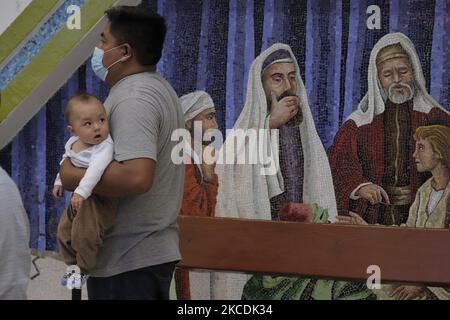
32	47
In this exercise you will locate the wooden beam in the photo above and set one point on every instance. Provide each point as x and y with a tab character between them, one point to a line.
316	250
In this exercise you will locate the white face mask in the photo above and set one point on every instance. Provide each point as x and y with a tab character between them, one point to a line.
97	62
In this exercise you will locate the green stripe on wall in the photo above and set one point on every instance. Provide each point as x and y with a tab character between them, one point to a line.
23	25
50	56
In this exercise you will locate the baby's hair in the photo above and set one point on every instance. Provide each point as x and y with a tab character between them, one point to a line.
82	97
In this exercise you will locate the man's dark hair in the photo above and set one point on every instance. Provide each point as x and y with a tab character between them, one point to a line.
143	29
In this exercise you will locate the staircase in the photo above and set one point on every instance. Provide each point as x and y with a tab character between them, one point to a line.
39	52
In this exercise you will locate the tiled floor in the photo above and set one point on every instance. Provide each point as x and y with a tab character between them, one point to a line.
47	285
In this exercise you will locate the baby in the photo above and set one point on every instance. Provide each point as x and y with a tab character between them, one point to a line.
84	222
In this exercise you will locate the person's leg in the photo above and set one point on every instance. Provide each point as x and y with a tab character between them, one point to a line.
150	283
104	288
64	236
94	217
163	274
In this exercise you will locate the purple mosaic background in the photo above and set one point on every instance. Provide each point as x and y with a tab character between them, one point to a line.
211	44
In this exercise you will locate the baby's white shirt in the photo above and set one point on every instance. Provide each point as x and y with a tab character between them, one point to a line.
95	158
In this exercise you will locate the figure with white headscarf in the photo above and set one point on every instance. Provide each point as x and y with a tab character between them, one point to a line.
302	190
276	101
200	184
371	157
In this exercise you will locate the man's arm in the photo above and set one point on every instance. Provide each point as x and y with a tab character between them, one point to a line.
127	178
100	159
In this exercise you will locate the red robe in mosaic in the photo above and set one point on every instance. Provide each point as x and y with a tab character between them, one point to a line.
358	156
199	199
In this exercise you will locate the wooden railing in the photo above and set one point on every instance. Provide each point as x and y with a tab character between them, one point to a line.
345	252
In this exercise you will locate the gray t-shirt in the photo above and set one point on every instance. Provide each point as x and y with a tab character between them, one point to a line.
144	110
15	259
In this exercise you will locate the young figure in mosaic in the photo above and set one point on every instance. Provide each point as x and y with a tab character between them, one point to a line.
88	216
371	158
431	207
